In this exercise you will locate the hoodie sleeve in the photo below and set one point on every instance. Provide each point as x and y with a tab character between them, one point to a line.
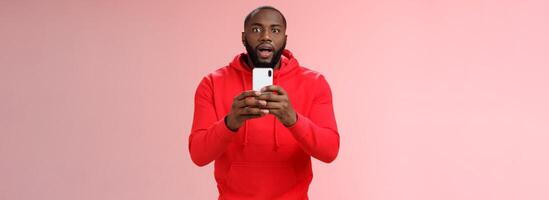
209	136
317	133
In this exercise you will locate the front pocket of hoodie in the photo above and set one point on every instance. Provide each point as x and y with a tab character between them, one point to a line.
270	179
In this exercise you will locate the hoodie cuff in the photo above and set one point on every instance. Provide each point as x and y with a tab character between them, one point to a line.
223	131
299	128
226	126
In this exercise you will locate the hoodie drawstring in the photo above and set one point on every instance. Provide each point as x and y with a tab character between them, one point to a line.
275	135
245	133
277	145
245	142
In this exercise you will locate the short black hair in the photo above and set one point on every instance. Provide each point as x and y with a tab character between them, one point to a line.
249	16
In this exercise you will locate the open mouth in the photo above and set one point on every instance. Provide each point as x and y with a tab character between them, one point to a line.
265	51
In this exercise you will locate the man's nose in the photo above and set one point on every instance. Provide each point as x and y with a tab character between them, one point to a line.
265	37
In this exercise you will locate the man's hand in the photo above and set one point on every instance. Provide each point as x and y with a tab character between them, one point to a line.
278	104
245	106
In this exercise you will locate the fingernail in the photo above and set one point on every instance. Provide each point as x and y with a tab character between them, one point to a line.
257	93
265	111
263	102
263	89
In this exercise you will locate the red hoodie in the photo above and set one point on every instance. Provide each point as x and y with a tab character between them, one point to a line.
263	159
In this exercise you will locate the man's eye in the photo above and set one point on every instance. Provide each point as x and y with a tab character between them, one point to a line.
276	30
256	30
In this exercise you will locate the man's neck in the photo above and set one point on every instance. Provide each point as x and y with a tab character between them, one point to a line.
251	64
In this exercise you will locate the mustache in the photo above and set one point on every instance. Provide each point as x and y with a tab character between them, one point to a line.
252	53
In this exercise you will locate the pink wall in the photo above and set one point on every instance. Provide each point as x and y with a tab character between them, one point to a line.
434	99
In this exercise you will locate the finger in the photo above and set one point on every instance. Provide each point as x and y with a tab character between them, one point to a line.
250	102
246	117
273	105
270	96
249	93
252	111
275	112
274	88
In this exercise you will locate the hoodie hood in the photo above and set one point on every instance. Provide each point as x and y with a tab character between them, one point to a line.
287	65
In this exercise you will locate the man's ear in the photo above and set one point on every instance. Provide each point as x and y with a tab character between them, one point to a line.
244	38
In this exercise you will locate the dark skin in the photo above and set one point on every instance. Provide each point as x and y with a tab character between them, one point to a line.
264	27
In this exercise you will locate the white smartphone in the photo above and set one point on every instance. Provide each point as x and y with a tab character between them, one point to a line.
262	77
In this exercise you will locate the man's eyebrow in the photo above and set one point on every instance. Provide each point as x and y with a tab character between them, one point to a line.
259	24
256	24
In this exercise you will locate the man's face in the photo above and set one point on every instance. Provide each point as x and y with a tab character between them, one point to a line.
264	37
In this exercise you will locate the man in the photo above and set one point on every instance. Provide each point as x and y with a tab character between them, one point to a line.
262	141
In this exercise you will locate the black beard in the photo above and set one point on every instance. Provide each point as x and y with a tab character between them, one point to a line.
255	59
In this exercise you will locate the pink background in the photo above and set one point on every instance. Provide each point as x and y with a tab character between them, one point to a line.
434	99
